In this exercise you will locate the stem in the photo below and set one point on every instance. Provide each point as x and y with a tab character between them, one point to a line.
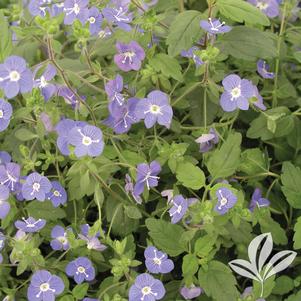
181	6
193	87
205	107
261	294
281	32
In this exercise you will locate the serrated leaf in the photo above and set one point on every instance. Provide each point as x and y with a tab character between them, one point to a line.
80	290
133	212
297	235
224	161
184	31
241	11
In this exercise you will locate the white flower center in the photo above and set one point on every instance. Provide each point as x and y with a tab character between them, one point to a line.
146	290
236	92
56	193
92	20
128	55
154	109
36	186
43	82
81	269
262	5
14	76
62	239
223	201
76	9
1	114
44	287
87	140
157	261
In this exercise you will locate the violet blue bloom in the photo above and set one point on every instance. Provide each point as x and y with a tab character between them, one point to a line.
258	99
46	120
129	57
146	288
268	7
226	200
69	97
36	186
169	194
207	141
30	225
47	89
6	111
44	286
117	14
178	209
258	201
190	53
76	9
15	77
4	205
129	188
157	261
93	242
248	292
90	299
87	141
2	241
123	117
104	33
5	157
237	93
214	26
1	260
10	175
57	8
113	89
60	240
81	269
57	195
155	108
191	292
263	69
147	175
39	7
95	20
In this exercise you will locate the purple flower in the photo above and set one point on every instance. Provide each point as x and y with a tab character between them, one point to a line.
122	117
169	194
2	241
5	157
60	240
4	206
268	7
190	53
226	200
129	188
214	26
190	292
207	141
15	77
6	111
76	9
46	120
30	225
155	108
1	260
95	20
129	57
10	175
90	299
44	286
69	96
157	261
113	89
178	209
259	100
39	7
147	175
87	141
146	288
57	195
93	243
258	201
47	89
81	269
36	186
117	14
263	69
237	92
57	8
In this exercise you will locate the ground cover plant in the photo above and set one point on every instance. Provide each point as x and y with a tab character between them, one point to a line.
150	150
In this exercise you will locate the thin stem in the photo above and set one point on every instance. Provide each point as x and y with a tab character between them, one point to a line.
205	108
189	90
181	6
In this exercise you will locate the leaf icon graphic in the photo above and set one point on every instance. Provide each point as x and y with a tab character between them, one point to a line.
259	250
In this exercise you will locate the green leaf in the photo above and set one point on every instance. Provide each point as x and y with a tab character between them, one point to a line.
190	266
218	281
204	245
297	235
184	31
166	236
284	284
5	38
224	161
132	212
25	135
190	176
291	181
45	210
297	56
80	290
241	11
167	65
248	44
253	161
